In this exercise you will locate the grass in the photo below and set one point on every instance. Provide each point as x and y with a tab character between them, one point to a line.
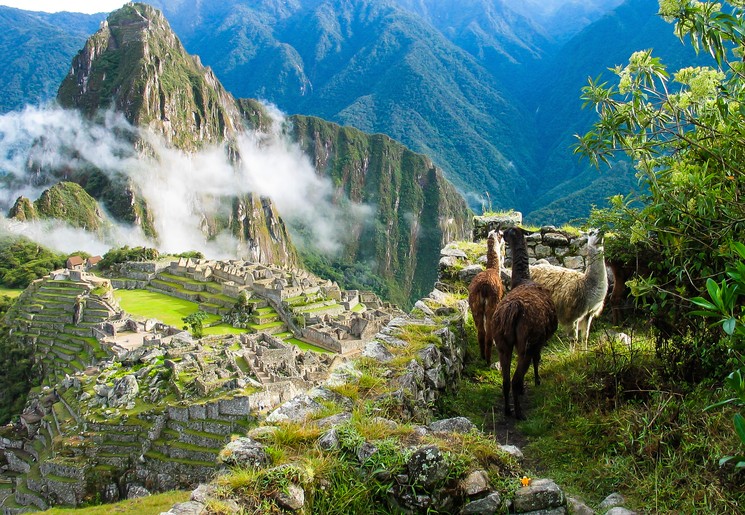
152	504
167	309
10	292
605	421
306	346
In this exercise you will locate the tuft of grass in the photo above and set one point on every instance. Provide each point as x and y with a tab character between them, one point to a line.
152	504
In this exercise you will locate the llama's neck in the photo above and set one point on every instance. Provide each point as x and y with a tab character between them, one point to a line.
493	254
596	272
520	263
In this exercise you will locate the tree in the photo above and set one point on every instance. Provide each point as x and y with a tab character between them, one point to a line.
687	138
194	323
725	304
686	135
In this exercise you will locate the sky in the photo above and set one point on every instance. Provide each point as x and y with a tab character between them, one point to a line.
80	6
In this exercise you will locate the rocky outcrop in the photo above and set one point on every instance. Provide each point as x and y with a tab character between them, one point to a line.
416	210
65	201
137	64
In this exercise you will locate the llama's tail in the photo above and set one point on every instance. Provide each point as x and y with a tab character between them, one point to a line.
509	316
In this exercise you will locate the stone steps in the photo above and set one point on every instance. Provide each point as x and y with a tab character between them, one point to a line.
185	451
166	289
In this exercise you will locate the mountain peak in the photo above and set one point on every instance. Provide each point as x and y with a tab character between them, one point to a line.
137	65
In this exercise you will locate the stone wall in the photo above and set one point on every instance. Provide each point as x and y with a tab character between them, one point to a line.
558	247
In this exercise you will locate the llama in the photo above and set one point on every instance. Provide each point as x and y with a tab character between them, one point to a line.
579	297
523	321
485	292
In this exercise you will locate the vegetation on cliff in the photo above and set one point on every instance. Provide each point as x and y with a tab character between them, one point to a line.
414	209
66	201
22	261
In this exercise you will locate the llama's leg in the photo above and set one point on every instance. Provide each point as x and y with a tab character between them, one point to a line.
536	361
505	360
478	321
585	329
518	383
574	337
488	342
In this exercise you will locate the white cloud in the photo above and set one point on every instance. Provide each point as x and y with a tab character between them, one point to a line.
179	188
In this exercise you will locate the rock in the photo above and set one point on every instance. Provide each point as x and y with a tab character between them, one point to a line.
421	306
202	493
244	452
466	274
577	507
124	392
259	433
366	451
377	351
447	262
555	239
110	493
574	262
137	491
613	500
619	510
102	390
453	252
187	508
334	420
488	505
514	451
293	498
452	425
427	467
438	296
391	340
296	409
386	422
542	494
477	482
329	440
331	396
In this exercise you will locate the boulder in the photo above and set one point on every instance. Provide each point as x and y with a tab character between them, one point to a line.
245	452
541	494
377	351
427	467
452	425
488	505
291	498
124	392
476	483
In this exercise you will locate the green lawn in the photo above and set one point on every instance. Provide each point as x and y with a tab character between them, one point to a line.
10	292
152	504
306	346
167	309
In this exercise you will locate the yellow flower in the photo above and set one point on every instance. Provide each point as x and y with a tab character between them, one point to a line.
525	481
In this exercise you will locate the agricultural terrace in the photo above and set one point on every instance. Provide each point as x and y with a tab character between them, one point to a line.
169	310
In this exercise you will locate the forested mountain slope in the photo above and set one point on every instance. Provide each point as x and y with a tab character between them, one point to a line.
488	90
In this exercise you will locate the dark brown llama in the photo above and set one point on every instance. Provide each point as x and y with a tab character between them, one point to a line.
485	292
523	321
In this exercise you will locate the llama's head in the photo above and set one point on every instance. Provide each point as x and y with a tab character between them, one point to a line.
496	242
595	239
514	235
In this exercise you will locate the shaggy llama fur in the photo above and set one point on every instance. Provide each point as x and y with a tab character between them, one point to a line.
579	297
485	292
523	322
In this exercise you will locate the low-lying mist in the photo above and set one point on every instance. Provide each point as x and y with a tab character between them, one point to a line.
180	188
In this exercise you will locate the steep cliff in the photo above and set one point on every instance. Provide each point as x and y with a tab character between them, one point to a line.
64	201
136	66
413	211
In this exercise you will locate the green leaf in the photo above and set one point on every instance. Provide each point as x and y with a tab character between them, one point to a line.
740	427
729	325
